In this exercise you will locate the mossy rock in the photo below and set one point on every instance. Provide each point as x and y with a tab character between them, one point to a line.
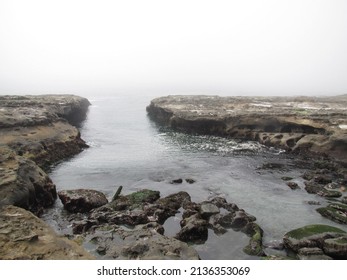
336	247
310	236
329	193
335	211
255	245
134	200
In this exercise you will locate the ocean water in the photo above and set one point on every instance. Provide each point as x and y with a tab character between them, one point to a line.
128	149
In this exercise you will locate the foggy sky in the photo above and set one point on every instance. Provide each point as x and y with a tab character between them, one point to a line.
173	47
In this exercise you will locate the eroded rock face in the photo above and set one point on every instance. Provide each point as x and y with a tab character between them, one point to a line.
35	133
37	128
23	183
301	124
23	236
82	200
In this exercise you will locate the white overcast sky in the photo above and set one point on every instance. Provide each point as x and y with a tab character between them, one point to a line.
171	47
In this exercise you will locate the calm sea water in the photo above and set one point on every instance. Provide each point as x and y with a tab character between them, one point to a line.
128	149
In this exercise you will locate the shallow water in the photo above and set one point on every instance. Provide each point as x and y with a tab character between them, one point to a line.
128	149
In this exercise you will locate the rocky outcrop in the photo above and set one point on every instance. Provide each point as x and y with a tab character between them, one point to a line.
23	236
317	242
23	183
309	125
38	128
35	132
130	226
82	200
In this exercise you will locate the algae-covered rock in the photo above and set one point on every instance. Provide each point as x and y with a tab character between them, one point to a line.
336	247
255	245
310	236
335	211
313	253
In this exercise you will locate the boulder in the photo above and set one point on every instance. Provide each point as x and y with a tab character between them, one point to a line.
23	183
208	209
313	253
23	236
336	247
194	229
334	211
82	200
313	236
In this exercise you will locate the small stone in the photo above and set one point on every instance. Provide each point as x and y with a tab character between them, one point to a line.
176	181
190	181
293	185
286	178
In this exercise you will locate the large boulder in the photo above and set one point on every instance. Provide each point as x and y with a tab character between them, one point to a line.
23	236
23	183
323	237
82	200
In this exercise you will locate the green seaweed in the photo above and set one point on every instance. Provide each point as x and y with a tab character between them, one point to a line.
310	230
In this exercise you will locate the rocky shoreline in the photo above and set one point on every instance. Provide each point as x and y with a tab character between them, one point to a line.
38	131
35	132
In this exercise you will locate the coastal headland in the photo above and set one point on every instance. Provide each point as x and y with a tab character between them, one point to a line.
303	125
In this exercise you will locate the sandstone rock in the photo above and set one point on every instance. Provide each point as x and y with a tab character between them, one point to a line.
82	200
23	183
26	237
306	125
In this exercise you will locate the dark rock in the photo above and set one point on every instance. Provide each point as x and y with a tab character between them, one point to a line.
335	211
255	245
313	187
313	253
336	247
329	193
194	229
23	183
82	200
312	202
176	181
235	220
293	185
344	200
190	181
286	178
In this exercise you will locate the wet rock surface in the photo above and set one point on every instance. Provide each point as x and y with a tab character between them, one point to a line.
82	200
23	236
305	125
131	226
317	242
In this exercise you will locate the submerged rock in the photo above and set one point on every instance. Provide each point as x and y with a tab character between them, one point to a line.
82	200
23	236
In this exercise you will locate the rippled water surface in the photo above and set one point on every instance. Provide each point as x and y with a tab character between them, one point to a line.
128	149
